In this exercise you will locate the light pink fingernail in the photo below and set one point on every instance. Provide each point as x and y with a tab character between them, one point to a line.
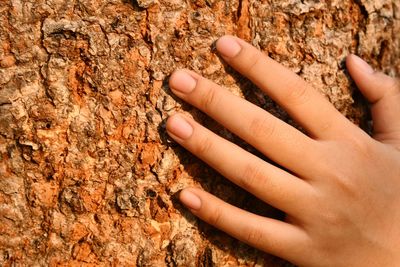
228	46
183	82
179	127
190	200
362	65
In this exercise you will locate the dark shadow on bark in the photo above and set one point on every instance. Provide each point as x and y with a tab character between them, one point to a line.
217	185
134	4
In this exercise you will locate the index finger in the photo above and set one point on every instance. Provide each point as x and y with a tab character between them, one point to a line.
304	104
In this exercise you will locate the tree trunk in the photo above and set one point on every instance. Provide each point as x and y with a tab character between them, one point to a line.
88	175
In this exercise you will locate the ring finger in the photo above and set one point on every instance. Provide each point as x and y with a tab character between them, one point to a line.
269	183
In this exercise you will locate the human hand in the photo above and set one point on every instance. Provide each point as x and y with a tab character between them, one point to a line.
341	196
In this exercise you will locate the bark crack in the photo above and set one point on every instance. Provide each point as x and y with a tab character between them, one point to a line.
243	19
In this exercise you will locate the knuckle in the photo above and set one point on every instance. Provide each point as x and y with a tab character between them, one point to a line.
254	62
262	127
328	214
298	93
210	98
360	145
345	186
215	216
326	126
253	235
350	152
334	219
251	177
390	86
203	147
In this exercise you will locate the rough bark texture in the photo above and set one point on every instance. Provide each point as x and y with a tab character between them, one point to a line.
88	175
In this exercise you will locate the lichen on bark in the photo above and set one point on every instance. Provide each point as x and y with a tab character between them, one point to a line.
88	175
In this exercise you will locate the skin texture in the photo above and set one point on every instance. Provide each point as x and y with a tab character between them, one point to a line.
340	187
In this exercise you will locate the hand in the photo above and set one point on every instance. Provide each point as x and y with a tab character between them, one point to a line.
342	194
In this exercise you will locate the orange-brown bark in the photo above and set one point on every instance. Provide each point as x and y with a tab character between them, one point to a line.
87	173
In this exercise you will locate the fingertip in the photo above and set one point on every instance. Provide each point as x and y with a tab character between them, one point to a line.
221	40
170	122
178	126
174	78
374	85
354	62
228	46
190	199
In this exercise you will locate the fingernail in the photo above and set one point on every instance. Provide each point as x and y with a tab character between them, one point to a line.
180	127
228	46
190	200
183	82
362	65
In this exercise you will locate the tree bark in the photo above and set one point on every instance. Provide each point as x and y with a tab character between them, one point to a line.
88	175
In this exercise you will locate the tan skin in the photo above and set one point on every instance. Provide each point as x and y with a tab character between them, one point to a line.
342	195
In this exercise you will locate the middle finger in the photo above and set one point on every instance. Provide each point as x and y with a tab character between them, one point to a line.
274	138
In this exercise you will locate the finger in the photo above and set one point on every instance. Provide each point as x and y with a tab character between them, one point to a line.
274	138
304	104
269	183
272	236
383	92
